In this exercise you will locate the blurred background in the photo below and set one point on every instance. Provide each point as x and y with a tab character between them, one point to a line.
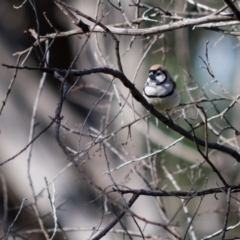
80	209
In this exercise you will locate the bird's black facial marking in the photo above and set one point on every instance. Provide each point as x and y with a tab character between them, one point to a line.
157	72
157	77
152	71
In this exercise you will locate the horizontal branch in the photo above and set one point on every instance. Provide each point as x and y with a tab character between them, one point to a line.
139	97
190	194
188	22
222	31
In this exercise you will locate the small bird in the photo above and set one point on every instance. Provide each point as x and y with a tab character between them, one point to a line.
160	90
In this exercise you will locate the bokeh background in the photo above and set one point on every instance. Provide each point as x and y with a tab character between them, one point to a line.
79	206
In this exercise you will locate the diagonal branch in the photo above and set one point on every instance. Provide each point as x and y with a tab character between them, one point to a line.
234	9
138	97
116	220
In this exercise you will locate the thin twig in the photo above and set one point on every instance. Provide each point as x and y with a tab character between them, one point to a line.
29	154
10	85
15	219
52	203
192	233
226	213
5	202
207	159
116	220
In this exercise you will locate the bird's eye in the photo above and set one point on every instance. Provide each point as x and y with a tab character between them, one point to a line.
158	73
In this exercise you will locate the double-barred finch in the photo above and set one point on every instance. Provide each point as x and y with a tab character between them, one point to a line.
160	90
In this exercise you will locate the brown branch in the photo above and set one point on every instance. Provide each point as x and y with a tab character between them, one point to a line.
116	220
206	156
190	224
180	194
29	144
10	85
234	9
139	97
206	128
78	22
227	213
148	31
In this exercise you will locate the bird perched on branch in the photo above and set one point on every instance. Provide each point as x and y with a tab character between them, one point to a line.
160	90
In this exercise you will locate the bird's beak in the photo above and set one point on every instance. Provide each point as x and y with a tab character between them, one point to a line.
151	76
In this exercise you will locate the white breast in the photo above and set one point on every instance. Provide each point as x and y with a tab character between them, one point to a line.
165	103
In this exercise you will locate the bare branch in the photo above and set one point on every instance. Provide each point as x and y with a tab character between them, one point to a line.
138	96
234	9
